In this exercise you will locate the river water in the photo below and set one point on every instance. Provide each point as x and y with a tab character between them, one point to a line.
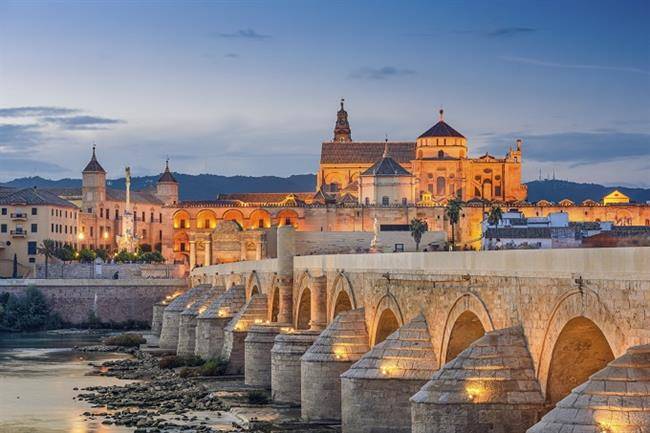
38	372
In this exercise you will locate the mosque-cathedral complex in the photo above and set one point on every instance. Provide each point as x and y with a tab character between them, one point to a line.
360	185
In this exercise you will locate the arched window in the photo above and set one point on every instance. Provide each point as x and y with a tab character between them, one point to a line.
440	186
441	154
385	201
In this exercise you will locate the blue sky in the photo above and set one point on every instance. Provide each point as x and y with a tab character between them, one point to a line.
253	87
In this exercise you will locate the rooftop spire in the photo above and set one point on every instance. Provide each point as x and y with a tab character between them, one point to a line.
386	147
167	175
442	114
342	131
94	165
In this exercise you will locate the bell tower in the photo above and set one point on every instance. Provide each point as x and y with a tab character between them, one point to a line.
167	187
342	133
93	184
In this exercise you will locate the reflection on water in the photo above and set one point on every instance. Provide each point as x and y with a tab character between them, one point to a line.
38	372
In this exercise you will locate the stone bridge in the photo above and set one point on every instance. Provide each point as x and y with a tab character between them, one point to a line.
432	342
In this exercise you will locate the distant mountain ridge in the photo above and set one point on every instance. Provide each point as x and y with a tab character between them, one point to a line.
207	186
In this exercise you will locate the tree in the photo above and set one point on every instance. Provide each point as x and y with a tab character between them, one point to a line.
418	227
47	249
65	253
452	210
494	218
102	254
87	256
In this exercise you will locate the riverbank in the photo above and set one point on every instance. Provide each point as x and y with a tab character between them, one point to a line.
162	401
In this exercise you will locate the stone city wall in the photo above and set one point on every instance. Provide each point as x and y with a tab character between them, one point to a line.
107	270
111	300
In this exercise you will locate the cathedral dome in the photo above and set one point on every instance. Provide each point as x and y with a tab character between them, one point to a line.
441	129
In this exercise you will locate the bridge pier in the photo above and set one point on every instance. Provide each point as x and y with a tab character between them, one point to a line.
490	386
375	391
341	344
157	318
255	310
188	319
171	316
211	323
285	364
258	345
615	399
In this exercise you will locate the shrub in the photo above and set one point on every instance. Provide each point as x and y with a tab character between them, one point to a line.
102	254
29	312
258	397
65	253
214	367
124	257
170	361
87	256
125	340
173	361
187	372
151	257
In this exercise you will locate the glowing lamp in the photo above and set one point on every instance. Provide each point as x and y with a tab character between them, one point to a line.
339	353
473	391
202	309
258	321
105	235
81	236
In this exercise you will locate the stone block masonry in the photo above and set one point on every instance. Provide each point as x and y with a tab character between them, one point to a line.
285	364
110	300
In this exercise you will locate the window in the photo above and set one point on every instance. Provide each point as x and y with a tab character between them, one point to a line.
160	235
108	214
142	216
91	232
4	211
182	247
52	228
440	186
404	202
3	228
101	212
34	228
441	154
497	191
385	201
160	217
31	248
260	223
34	211
32	260
52	212
367	201
117	213
151	217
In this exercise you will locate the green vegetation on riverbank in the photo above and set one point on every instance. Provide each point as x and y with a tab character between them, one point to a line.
27	312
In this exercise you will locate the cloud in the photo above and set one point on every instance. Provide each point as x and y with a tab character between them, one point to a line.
576	148
244	34
537	62
82	122
22	166
367	73
510	31
231	56
15	137
36	111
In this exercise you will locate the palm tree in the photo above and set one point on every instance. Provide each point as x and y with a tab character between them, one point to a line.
452	211
47	248
494	218
418	227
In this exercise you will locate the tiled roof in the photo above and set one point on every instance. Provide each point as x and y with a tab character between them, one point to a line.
386	166
264	197
167	175
136	196
441	129
366	152
33	196
93	165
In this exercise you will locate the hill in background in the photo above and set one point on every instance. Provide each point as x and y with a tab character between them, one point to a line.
207	186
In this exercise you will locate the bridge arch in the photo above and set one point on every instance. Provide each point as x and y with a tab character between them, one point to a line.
467	320
274	305
342	298
577	310
253	285
387	319
302	310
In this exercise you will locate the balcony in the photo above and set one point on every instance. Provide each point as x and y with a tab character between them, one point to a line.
19	216
19	233
3	245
